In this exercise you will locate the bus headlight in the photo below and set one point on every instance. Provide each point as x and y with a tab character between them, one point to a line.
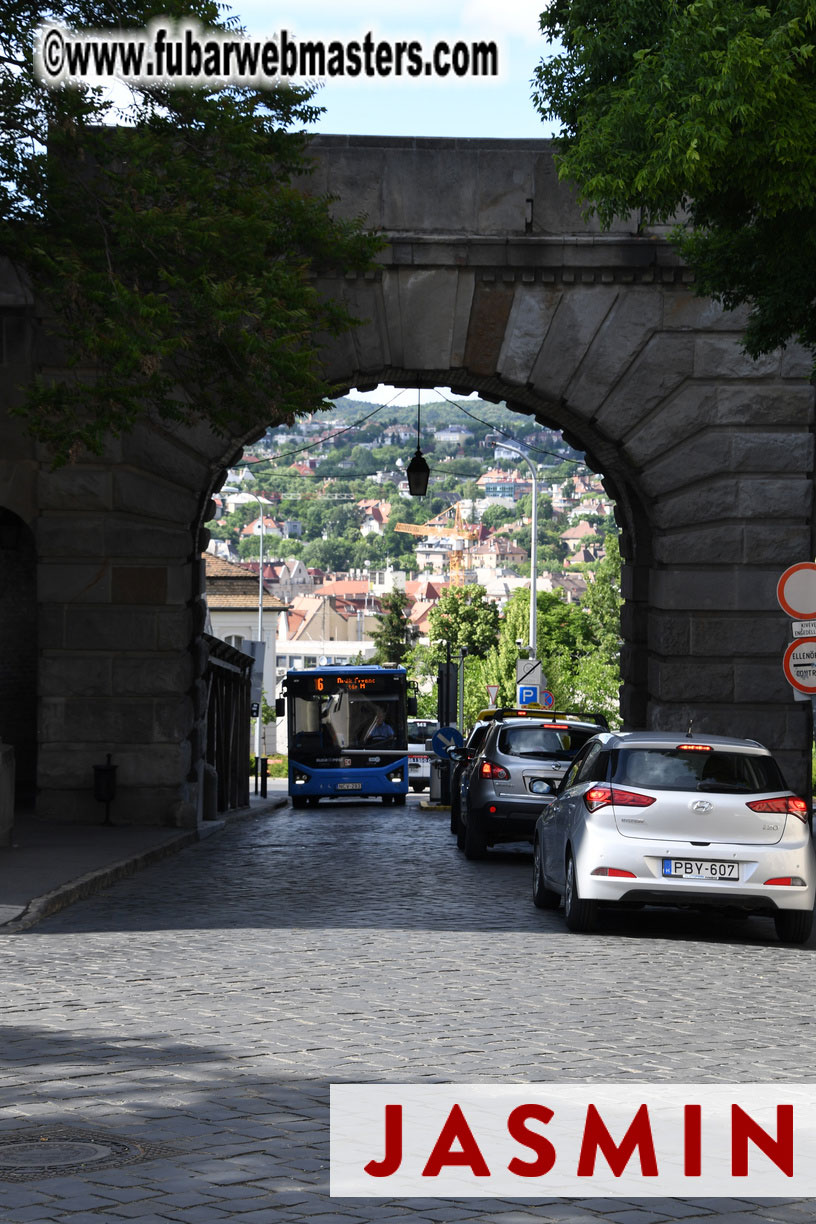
396	775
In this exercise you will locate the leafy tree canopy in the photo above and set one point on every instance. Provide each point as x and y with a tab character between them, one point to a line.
706	107
173	255
465	617
395	634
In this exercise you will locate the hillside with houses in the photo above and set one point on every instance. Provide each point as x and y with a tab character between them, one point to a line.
329	501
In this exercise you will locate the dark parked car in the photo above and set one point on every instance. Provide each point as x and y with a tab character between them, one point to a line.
459	757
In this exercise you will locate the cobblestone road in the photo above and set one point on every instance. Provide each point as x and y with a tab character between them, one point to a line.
203	1007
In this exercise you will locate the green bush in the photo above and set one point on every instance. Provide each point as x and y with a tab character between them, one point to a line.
278	766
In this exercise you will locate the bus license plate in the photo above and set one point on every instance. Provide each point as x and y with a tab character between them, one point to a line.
349	786
700	869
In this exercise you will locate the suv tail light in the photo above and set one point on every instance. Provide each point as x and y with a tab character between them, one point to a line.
787	805
599	796
497	773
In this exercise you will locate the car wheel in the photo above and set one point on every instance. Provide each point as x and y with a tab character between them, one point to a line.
454	804
793	926
298	801
543	897
475	842
579	914
416	787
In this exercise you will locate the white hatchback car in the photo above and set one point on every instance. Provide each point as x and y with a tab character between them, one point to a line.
655	818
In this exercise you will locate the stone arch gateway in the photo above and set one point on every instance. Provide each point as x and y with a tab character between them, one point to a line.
489	280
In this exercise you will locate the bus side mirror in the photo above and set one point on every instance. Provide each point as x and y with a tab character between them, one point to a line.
280	707
411	706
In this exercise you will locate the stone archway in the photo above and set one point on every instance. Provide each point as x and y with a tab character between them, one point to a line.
489	281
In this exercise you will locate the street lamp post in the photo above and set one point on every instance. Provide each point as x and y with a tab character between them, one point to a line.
249	493
511	445
463	651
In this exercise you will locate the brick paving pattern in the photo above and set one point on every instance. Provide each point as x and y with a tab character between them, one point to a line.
205	1005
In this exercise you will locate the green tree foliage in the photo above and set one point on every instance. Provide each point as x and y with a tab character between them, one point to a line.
395	634
464	617
578	645
707	107
589	679
563	632
174	255
497	515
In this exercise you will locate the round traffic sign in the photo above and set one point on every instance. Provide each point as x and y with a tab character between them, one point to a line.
796	590
799	664
547	699
445	738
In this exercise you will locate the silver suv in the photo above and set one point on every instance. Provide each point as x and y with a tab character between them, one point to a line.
513	776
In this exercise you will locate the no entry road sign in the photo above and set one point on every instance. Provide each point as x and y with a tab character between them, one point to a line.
799	664
796	590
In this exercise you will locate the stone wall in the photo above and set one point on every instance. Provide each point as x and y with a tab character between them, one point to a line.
18	650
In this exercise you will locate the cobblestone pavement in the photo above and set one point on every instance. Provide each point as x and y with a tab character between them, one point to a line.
203	1007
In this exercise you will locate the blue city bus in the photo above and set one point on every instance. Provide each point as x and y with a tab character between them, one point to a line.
348	733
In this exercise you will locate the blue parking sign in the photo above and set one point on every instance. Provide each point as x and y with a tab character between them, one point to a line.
527	694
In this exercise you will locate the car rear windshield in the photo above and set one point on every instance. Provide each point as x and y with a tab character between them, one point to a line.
682	769
420	731
537	741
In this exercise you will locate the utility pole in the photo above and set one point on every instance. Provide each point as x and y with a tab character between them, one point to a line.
511	445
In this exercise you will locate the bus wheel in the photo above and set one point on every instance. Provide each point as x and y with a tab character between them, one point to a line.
313	800
298	801
388	799
399	800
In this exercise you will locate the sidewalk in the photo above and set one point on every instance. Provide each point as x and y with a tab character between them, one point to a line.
51	864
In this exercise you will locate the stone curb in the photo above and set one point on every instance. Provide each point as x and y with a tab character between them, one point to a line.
96	881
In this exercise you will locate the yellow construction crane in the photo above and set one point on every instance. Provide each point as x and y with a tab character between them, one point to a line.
460	530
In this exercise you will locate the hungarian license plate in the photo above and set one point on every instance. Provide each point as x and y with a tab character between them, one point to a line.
349	786
700	869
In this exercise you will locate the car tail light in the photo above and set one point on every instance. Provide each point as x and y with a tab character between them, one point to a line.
614	871
788	881
783	805
599	796
496	772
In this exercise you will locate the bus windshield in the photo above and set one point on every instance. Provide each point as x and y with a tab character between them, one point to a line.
330	712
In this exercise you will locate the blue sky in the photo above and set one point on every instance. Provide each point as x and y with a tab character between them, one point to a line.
416	107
